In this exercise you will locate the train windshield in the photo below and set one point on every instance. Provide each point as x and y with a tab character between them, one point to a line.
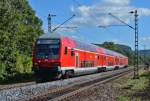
47	49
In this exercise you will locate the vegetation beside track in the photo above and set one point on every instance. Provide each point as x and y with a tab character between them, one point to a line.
19	28
135	89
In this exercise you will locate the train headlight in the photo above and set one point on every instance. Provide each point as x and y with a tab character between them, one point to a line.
35	64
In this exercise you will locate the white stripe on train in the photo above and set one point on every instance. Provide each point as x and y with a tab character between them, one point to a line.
88	70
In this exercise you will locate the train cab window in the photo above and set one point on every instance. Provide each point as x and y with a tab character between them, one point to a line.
72	52
66	50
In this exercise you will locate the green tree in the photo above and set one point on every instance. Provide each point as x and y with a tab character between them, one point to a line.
112	46
19	28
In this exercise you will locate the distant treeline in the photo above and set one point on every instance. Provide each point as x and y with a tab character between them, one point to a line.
19	28
145	52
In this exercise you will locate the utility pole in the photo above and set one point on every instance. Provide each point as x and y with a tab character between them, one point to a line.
136	51
50	22
50	30
144	53
59	26
136	55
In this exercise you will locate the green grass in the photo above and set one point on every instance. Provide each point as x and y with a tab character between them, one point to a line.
134	88
123	98
138	84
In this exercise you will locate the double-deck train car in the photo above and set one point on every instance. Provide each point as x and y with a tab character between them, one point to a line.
57	56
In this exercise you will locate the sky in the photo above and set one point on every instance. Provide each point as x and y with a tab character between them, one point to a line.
93	13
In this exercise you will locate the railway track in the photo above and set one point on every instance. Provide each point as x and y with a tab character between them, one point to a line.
83	88
60	89
62	93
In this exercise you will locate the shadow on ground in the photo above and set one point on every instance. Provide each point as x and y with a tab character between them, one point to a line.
18	78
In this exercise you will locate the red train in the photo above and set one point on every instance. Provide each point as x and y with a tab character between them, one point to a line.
61	56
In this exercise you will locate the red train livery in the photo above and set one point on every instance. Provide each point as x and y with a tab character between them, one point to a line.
60	56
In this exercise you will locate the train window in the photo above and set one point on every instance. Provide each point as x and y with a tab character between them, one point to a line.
98	57
66	50
72	52
105	58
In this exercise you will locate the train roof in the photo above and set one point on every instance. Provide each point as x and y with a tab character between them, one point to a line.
81	45
52	35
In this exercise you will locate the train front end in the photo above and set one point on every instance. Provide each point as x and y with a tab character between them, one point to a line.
46	59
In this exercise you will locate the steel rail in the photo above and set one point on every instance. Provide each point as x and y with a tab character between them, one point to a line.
77	92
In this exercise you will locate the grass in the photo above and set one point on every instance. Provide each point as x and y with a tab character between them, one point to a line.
135	89
123	98
138	84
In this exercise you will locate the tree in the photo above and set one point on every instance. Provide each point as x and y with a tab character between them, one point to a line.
19	28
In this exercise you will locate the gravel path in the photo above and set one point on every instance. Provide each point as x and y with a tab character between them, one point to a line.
8	86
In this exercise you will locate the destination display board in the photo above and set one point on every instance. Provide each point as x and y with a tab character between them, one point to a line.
48	41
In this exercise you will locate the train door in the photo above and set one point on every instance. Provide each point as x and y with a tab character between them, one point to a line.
77	59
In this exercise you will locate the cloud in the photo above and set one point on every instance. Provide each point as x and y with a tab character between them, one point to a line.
84	10
145	39
115	41
117	2
144	11
97	14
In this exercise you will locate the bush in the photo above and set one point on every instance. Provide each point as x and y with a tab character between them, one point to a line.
2	70
19	28
23	63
